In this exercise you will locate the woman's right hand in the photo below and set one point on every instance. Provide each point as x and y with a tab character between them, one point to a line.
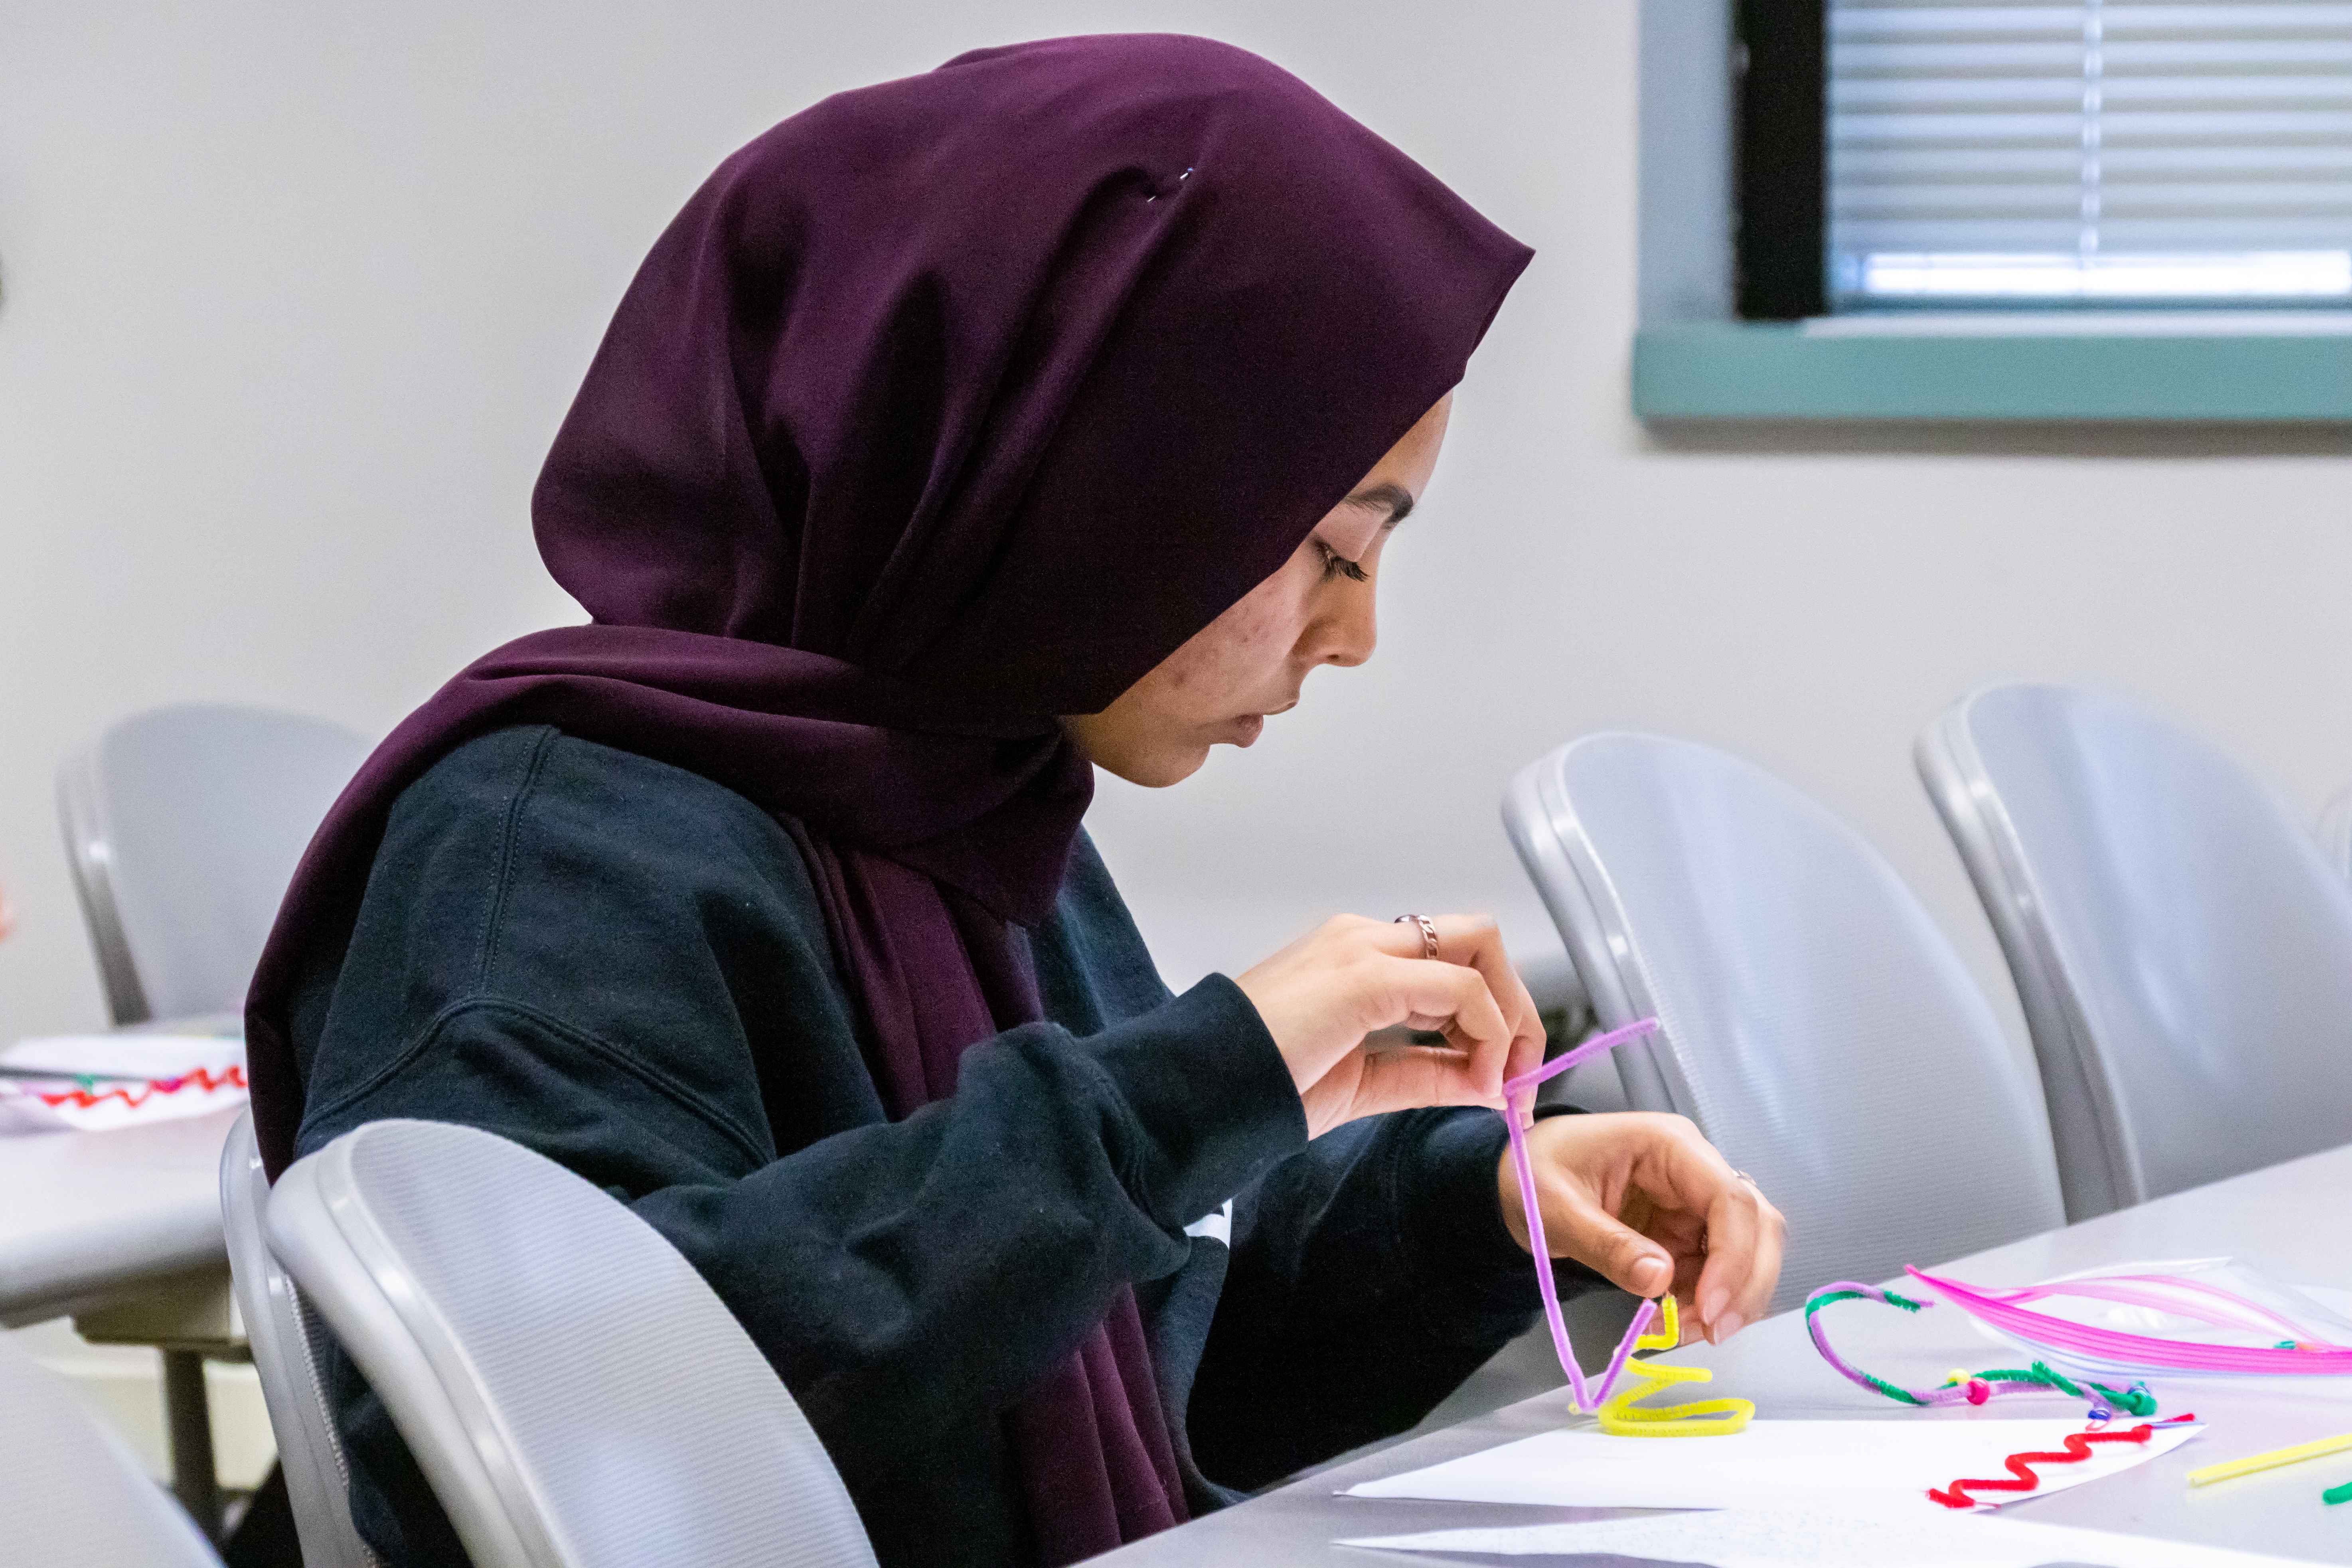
1322	995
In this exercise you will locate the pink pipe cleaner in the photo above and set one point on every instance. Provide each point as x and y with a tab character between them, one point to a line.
1518	1103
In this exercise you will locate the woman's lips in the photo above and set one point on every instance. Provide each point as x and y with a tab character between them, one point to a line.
1249	726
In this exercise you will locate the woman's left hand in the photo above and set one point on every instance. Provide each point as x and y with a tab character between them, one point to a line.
1648	1203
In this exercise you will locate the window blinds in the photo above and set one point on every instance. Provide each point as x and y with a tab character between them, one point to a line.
2089	154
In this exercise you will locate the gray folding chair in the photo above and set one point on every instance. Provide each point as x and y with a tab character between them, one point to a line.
183	825
71	1493
1813	1022
2183	952
286	1341
573	1392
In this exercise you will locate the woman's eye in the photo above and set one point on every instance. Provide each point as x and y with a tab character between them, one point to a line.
1338	565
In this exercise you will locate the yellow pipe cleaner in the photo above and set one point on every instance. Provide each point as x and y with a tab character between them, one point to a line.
1700	1418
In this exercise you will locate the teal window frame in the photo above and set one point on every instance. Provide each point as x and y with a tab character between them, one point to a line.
1693	359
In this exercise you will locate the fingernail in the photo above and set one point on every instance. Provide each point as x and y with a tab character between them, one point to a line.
1728	1325
1712	1303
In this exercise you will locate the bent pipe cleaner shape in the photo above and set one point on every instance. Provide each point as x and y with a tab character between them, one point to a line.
1961	1387
84	1098
2078	1449
1699	1418
1519	1108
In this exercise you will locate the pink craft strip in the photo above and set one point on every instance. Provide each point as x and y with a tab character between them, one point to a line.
2144	1348
2125	1288
2140	1349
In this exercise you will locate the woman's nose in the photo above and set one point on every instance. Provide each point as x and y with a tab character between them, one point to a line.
1345	634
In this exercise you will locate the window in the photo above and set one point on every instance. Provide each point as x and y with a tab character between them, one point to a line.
1960	210
1975	154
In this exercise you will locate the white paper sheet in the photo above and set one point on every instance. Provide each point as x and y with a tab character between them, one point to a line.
35	1105
1769	1463
1815	1538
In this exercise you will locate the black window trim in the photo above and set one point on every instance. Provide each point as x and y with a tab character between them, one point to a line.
1782	174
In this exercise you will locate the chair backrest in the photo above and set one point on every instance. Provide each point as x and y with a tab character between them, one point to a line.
2335	833
572	1391
2183	952
1813	1022
284	1335
183	825
71	1493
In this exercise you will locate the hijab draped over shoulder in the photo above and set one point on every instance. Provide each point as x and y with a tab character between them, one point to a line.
946	406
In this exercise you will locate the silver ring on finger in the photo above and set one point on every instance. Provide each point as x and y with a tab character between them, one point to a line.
1428	932
1750	1180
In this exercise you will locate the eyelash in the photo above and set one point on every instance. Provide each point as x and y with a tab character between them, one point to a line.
1338	565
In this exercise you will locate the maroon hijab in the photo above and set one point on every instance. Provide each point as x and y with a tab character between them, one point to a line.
946	406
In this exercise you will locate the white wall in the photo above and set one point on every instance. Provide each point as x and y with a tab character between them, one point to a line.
294	296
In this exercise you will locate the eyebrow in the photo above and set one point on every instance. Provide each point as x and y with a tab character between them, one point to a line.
1395	499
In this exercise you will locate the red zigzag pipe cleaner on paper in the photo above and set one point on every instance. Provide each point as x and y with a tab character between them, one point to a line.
201	1078
2078	1449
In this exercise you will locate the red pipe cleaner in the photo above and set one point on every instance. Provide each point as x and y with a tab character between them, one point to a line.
201	1078
2078	1449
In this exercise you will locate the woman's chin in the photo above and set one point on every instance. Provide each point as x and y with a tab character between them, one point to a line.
1161	766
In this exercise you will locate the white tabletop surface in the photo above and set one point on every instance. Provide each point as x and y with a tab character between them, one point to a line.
2296	1219
85	1215
87	1218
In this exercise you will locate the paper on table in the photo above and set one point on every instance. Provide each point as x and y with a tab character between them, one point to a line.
1821	1537
176	1075
1772	1461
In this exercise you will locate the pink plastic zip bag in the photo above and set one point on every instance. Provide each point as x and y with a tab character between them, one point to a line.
2213	1317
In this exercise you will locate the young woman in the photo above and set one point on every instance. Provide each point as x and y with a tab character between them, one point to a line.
964	434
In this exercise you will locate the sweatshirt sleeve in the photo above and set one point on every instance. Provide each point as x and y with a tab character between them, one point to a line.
622	966
1371	1274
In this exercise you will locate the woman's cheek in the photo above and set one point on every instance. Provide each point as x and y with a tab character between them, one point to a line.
1262	636
1229	664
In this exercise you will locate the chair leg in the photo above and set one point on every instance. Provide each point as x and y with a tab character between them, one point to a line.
187	1414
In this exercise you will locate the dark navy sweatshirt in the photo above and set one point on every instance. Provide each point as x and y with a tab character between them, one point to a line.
623	966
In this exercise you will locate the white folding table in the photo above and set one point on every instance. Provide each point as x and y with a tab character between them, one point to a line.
90	1219
121	1230
2296	1218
